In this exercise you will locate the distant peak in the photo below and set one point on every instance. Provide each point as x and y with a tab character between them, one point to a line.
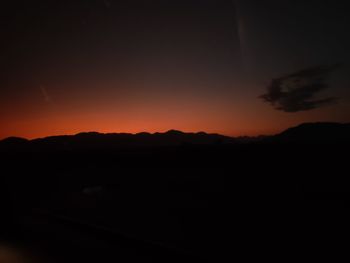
174	132
318	131
143	133
14	139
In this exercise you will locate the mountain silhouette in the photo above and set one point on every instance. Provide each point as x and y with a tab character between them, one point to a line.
181	189
304	133
93	140
316	132
13	143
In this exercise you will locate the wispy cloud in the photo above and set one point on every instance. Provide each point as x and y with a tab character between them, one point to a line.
296	92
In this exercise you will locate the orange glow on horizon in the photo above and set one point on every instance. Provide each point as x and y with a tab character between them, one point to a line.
35	117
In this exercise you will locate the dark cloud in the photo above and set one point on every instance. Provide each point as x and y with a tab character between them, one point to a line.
297	91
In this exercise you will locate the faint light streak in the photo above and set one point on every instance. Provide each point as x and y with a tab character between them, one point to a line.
45	94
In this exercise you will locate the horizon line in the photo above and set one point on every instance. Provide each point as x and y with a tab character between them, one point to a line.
167	131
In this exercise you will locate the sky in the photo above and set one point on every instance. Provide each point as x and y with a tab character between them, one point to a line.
231	67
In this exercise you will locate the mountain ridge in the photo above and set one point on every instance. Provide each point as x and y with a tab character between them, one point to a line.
97	140
316	132
305	132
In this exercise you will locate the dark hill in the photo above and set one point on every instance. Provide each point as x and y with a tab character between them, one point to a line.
316	132
13	143
94	140
304	133
145	188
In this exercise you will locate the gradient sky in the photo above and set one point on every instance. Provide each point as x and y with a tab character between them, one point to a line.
155	65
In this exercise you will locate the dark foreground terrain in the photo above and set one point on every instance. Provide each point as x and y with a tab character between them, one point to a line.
178	197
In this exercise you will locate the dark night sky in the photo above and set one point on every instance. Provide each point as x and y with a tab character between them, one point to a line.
130	66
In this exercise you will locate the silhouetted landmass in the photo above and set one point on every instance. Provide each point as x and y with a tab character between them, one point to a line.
94	140
13	143
177	196
304	133
316	132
